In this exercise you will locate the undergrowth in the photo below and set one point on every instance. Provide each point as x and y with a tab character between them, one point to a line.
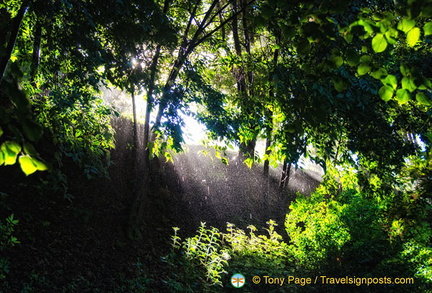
339	232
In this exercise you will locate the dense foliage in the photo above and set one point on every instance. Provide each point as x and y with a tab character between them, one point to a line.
338	231
347	84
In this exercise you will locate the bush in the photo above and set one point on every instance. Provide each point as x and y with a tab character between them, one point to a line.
348	233
197	262
338	231
206	261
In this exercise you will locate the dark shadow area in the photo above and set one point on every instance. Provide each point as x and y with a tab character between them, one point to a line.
79	244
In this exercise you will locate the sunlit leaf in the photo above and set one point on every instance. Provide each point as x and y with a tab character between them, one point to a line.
404	70
365	59
403	96
367	25
390	80
379	43
413	36
422	99
428	28
337	61
380	73
168	157
408	83
26	164
363	68
386	92
249	162
41	166
391	34
10	150
406	25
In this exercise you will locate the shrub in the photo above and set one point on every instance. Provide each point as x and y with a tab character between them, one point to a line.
197	262
349	233
338	231
206	261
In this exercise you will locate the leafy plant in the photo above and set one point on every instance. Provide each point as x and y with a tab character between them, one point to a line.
197	262
347	232
7	241
207	260
86	141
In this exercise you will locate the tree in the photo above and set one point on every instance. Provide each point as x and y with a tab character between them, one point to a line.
202	23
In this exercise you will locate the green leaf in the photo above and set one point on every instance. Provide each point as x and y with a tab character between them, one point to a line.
340	85
428	28
390	80
365	59
363	68
403	96
404	70
413	37
391	35
406	25
337	61
249	162
353	58
425	84
1	131
41	166
386	92
379	43
29	149
10	150
218	155
422	99
408	83
26	164
381	73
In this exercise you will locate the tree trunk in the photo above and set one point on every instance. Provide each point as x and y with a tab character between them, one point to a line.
142	171
135	123
267	152
286	170
269	114
36	52
244	79
15	26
